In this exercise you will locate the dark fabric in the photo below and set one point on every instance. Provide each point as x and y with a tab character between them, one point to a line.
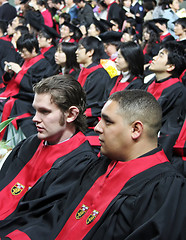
114	12
9	54
151	205
52	188
85	15
7	12
26	169
171	95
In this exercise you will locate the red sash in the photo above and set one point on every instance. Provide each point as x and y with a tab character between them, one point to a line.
156	88
104	190
13	86
85	72
45	49
38	165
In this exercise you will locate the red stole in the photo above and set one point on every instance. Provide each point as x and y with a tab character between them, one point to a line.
164	36
37	166
85	72
156	88
104	190
180	144
45	49
14	84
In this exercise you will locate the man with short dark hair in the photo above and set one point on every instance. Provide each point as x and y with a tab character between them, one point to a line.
85	12
166	87
7	11
60	104
125	195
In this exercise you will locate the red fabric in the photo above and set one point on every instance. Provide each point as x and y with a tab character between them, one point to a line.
181	76
93	140
17	235
13	85
180	142
6	38
156	88
37	166
120	86
85	72
164	36
45	49
47	18
25	115
104	190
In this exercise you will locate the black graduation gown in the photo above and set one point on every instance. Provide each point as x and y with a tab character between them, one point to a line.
32	159
171	95
148	204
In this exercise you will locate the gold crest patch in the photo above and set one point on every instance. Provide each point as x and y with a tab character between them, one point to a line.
92	216
17	189
81	212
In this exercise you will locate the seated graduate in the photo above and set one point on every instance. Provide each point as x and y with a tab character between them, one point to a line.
47	38
18	94
166	87
60	104
125	195
130	62
65	57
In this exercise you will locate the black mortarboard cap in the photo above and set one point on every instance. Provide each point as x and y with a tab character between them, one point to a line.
100	25
35	19
50	31
110	36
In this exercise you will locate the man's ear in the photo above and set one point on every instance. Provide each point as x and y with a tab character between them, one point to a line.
137	129
170	67
90	53
72	114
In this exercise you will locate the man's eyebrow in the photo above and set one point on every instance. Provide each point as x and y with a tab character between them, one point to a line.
105	117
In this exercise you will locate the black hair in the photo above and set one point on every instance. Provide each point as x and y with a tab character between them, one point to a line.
133	55
92	43
176	56
28	41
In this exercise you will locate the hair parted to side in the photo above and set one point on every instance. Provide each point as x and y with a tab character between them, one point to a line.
28	41
65	92
176	56
140	105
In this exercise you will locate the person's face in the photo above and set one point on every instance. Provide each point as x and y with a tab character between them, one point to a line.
146	34
127	3
92	31
121	63
110	49
178	29
10	29
25	54
175	5
114	132
159	63
60	57
65	31
15	22
43	42
81	55
16	35
126	37
50	121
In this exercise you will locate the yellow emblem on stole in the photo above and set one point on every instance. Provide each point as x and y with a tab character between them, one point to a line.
81	211
17	189
92	216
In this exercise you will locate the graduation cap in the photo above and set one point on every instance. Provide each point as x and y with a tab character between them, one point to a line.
151	25
24	1
72	27
50	31
161	20
106	23
35	19
100	25
110	36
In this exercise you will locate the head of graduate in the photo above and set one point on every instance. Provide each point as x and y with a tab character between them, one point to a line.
170	61
89	51
129	125
60	103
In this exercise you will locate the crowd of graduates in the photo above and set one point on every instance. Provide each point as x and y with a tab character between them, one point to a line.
106	46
